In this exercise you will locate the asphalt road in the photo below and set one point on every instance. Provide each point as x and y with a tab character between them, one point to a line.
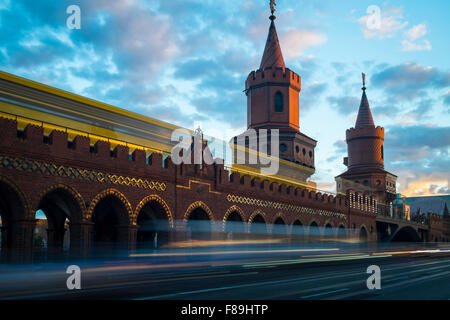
282	274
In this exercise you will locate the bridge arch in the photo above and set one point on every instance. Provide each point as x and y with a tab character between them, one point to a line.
154	220
233	220
328	228
313	229
63	193
406	234
363	235
279	220
341	231
198	218
13	207
60	204
257	222
149	199
195	205
297	226
110	211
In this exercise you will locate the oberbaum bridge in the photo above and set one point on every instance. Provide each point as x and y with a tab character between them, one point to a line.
100	173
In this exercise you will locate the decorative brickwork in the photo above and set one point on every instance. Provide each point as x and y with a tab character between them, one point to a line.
77	173
283	206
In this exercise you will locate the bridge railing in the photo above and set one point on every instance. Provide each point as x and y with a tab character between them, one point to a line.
386	211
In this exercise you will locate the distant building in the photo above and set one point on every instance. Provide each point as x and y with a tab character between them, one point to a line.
435	204
400	209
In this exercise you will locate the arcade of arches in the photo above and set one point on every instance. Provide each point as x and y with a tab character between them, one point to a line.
109	221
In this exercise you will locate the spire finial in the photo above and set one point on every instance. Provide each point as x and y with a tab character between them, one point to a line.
364	81
272	9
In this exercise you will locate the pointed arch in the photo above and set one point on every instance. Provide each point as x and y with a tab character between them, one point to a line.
255	213
110	192
279	215
71	191
158	199
195	205
24	201
230	210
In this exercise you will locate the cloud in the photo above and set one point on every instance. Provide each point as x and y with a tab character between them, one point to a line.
410	80
420	156
415	142
344	104
391	21
411	46
416	32
311	94
447	99
384	111
296	41
425	185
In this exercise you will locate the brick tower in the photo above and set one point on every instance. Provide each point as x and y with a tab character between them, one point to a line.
273	103
365	159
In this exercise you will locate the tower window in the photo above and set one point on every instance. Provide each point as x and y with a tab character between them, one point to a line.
278	102
310	154
382	153
283	147
297	149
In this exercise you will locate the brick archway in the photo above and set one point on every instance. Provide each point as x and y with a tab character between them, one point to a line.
27	213
158	199
110	192
195	205
255	213
71	191
279	215
230	210
253	216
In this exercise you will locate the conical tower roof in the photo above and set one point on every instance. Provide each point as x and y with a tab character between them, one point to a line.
272	56
364	118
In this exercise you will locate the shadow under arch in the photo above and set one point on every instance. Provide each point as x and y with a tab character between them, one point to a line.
198	218
313	230
62	206
110	211
233	222
257	223
13	207
154	221
279	225
363	235
406	234
341	231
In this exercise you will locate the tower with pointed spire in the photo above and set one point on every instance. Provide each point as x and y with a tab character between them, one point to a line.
273	103
365	160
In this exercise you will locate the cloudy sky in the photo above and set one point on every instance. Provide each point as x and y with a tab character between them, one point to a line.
186	61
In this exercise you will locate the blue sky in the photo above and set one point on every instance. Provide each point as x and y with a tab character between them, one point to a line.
186	62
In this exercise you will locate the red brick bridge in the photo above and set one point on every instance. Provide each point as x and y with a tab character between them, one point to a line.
107	195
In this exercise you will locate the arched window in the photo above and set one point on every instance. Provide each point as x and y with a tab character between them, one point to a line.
382	153
278	102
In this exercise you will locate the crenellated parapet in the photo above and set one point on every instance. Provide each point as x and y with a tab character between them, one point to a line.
360	132
273	76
